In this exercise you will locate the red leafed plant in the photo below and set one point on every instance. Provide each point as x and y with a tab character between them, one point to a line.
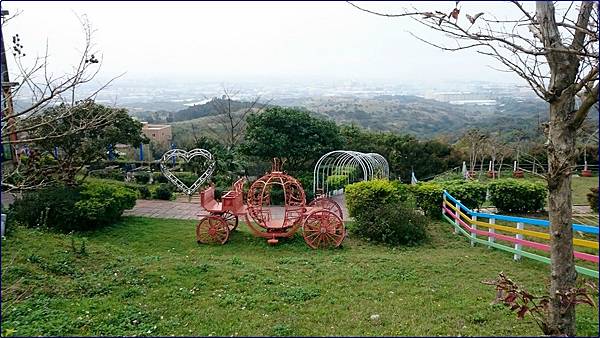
522	302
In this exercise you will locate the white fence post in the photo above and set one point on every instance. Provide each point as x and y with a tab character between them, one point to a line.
518	246
457	217
491	231
473	234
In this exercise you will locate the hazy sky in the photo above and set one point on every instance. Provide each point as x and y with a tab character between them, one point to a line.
250	41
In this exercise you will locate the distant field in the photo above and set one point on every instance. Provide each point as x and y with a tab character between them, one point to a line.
149	277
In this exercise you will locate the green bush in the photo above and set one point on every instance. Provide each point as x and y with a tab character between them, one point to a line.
103	204
306	179
369	195
159	177
51	207
428	196
142	177
73	208
163	192
470	193
335	182
392	224
517	196
144	192
592	198
187	178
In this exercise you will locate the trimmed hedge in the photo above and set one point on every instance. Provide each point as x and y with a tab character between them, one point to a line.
64	208
517	196
429	195
365	196
470	193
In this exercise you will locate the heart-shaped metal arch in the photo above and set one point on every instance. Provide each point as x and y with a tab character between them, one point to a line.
187	156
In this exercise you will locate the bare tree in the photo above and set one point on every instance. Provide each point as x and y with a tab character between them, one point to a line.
498	150
474	140
555	51
229	124
35	80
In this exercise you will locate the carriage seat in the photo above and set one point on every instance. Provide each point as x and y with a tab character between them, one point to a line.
207	200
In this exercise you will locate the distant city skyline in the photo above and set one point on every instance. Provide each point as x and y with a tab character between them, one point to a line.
250	42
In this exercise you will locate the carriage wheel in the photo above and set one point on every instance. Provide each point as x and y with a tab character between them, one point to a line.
212	230
230	219
327	203
323	228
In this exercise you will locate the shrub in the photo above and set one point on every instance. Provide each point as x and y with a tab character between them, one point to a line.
392	224
144	192
103	204
517	196
52	207
369	195
73	208
142	177
276	195
470	193
592	198
187	178
428	197
306	179
159	177
163	192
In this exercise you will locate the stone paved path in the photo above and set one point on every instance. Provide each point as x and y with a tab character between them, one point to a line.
166	209
182	209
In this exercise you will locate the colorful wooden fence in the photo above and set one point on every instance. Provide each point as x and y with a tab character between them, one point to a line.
469	223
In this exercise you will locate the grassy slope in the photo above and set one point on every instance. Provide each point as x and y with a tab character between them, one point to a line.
581	187
148	277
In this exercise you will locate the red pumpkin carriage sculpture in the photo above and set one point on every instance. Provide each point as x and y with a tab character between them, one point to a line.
320	220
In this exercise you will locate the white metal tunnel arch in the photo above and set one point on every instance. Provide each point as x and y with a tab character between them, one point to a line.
351	166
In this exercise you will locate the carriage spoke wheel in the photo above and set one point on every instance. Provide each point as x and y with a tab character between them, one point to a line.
231	219
327	203
323	229
212	230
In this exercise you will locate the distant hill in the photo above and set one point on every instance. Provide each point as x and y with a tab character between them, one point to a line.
210	108
424	118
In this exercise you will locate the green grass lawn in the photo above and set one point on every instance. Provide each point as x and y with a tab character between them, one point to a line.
581	187
149	277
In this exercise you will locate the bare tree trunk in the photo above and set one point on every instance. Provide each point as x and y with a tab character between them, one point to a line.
561	159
